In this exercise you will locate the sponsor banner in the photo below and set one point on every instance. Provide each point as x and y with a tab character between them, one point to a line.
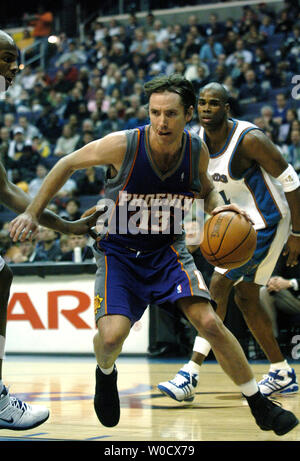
55	314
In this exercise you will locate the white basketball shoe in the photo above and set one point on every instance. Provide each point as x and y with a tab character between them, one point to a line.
181	388
279	382
18	415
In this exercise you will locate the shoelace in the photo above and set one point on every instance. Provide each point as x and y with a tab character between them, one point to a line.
18	404
181	379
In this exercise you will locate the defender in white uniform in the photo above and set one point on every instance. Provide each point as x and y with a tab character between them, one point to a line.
261	196
248	170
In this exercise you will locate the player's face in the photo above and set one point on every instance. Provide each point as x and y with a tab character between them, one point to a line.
211	109
8	63
167	116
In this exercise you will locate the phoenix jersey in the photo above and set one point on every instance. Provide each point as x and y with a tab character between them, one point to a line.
257	192
140	186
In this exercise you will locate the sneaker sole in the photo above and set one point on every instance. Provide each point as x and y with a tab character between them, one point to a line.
38	423
284	393
292	426
167	392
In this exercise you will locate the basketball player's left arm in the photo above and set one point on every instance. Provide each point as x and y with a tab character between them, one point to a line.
213	201
17	200
256	147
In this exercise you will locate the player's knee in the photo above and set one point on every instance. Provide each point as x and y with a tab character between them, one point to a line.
210	326
112	335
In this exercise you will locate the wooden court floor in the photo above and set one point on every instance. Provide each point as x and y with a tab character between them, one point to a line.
66	386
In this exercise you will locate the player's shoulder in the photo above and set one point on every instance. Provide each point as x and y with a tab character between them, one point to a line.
254	137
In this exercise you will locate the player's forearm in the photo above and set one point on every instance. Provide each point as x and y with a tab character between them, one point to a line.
16	200
51	185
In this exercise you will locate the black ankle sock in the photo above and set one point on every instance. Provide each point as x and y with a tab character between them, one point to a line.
253	399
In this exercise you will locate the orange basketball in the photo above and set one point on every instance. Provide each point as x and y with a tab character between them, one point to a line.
229	240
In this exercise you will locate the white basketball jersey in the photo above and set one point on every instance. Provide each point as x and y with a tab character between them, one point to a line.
257	192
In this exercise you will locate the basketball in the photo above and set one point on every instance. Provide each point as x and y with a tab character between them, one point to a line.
229	240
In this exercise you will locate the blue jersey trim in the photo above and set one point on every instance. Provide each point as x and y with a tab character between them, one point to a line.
226	142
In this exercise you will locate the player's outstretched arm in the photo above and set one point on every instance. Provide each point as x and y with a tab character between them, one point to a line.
257	147
17	200
109	150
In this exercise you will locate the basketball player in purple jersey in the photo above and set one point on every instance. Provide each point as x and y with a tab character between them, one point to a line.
15	414
243	165
162	161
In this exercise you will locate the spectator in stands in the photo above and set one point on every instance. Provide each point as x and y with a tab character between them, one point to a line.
85	138
109	78
201	77
64	245
269	78
73	54
240	51
72	210
66	142
91	182
268	124
28	252
29	130
291	45
267	26
27	78
48	244
60	84
140	119
24	166
286	128
139	43
38	94
211	50
80	241
190	47
111	124
42	23
233	96
159	32
68	190
35	183
248	19
294	150
73	102
229	42
17	144
281	108
8	122
250	92
282	292
253	37
283	23
214	28
176	37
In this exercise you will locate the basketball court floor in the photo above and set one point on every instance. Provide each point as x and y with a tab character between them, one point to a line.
66	386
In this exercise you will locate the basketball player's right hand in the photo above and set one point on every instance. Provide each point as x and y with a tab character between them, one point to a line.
232	207
24	226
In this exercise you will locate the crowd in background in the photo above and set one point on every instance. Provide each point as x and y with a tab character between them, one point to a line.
94	87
